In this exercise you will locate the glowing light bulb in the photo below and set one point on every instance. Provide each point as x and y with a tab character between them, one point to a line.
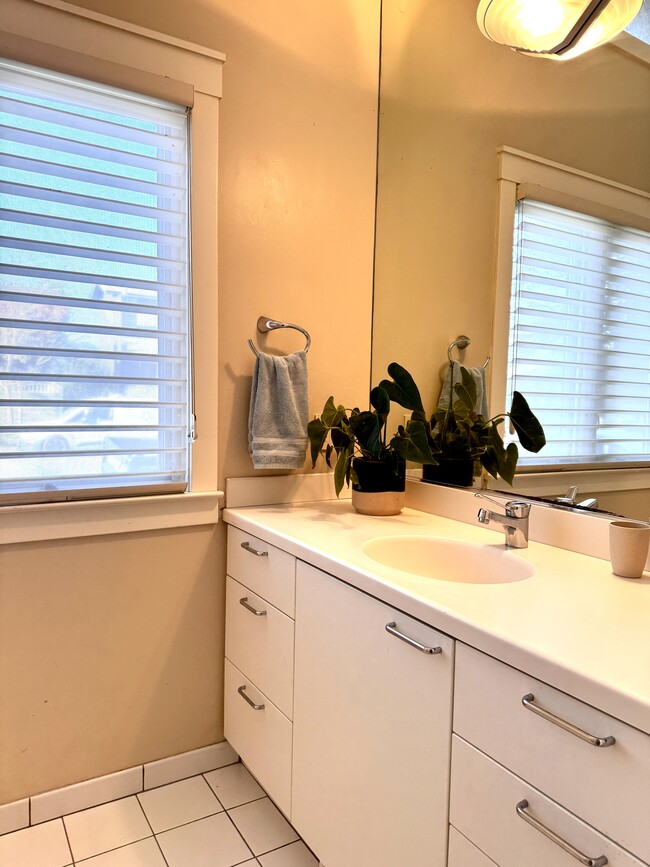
541	17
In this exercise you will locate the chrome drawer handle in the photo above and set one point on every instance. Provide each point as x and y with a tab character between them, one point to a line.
576	853
248	547
242	692
391	627
527	702
244	601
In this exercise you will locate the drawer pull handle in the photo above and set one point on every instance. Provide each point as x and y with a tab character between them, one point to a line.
391	627
576	853
527	702
248	547
242	692
244	601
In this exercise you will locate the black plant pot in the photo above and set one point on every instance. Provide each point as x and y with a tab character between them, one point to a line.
450	471
381	487
377	476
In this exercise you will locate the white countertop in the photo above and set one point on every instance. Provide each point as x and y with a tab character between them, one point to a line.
573	624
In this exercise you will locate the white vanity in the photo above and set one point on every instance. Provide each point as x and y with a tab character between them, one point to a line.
400	719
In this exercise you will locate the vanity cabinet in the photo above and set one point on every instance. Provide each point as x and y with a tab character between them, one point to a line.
372	720
341	706
258	700
518	739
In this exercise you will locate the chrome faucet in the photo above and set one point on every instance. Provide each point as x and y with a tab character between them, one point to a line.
514	522
569	499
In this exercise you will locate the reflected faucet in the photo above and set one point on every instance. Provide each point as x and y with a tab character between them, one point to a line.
514	523
569	499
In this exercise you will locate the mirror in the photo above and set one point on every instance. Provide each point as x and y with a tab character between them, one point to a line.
448	100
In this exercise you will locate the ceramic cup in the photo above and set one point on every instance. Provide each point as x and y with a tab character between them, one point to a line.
628	547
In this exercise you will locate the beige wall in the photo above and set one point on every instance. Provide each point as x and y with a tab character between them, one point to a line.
449	99
111	649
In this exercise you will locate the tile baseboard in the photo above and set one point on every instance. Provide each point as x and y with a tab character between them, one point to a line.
188	764
110	787
14	816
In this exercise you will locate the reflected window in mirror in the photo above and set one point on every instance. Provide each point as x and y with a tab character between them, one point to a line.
571	317
578	344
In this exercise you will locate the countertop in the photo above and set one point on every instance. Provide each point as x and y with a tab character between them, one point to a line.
573	624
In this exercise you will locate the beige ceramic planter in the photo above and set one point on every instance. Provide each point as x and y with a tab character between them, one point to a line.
378	503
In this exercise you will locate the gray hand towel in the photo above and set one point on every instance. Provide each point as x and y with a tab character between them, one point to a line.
277	422
477	374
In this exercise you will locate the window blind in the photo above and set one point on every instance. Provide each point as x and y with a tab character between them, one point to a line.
579	347
94	290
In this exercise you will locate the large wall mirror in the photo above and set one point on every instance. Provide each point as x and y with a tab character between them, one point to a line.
449	99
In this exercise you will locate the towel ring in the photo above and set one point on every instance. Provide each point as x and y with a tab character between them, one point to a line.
462	342
264	325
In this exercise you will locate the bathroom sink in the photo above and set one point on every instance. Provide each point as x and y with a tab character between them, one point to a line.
449	560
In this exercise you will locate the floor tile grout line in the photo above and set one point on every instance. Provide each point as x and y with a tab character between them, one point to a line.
65	831
242	836
155	836
113	849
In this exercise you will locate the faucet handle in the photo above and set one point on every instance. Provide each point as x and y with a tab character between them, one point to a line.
512	508
517	509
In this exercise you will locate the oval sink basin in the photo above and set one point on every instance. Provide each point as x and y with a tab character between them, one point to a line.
448	560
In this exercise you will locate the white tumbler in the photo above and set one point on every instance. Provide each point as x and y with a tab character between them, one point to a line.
628	547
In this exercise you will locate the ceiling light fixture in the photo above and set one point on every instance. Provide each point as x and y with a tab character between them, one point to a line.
559	29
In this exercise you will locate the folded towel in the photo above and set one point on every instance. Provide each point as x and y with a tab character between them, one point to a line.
277	422
477	374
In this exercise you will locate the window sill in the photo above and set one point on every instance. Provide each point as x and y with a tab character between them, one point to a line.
36	523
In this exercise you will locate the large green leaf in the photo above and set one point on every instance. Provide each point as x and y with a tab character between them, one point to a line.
380	400
366	427
341	469
465	392
317	433
413	444
529	430
402	389
506	459
340	439
332	414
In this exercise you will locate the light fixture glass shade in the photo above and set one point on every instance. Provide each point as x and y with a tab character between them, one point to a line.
560	29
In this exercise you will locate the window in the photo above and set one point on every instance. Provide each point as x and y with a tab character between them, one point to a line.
94	290
579	346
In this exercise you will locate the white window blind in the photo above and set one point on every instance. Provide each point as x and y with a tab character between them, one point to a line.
93	290
579	342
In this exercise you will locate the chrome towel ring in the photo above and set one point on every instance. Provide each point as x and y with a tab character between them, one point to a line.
462	342
264	325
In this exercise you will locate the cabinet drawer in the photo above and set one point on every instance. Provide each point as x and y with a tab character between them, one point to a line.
605	786
261	737
261	645
262	568
462	853
484	798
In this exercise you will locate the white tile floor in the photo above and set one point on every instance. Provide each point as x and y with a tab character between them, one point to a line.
219	819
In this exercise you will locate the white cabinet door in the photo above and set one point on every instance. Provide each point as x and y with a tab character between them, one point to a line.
372	728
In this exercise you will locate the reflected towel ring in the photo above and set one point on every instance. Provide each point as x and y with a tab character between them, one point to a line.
462	342
264	325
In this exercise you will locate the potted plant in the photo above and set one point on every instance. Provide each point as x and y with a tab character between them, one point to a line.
364	458
456	441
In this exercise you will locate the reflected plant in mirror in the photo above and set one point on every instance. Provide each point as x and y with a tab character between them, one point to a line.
456	441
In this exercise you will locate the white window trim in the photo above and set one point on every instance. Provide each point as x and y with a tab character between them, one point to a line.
51	31
574	189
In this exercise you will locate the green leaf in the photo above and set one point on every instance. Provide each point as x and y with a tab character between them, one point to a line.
413	444
489	461
469	385
529	430
341	469
380	401
340	439
366	427
332	414
317	433
508	464
403	389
